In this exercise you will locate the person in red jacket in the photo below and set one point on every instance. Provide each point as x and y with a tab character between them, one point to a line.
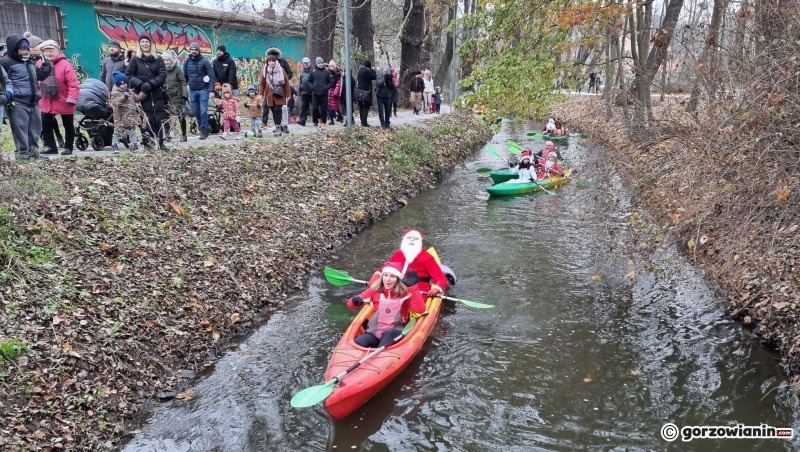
550	167
391	303
417	262
59	97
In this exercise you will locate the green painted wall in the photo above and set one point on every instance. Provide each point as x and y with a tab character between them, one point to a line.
87	33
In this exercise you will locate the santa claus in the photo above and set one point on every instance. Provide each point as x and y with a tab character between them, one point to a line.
414	259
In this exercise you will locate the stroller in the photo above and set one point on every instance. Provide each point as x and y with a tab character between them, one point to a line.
97	120
214	118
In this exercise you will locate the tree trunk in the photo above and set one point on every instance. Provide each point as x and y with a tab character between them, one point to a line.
708	58
444	67
320	26
428	36
411	38
363	29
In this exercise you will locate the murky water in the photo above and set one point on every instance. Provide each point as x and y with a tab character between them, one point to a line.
563	362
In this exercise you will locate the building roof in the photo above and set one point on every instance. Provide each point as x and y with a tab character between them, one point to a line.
158	9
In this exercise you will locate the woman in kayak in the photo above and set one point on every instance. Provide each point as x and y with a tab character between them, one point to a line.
391	301
550	167
549	147
525	168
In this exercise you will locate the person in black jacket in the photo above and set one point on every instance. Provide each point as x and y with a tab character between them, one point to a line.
225	69
365	77
343	95
385	92
287	69
147	74
320	81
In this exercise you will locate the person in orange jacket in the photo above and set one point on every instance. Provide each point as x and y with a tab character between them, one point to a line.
391	302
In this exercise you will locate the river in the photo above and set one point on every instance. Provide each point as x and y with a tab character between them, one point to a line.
563	362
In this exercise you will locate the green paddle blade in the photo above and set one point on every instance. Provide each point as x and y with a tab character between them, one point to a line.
534	134
492	150
472	304
513	144
312	396
337	277
551	193
484	170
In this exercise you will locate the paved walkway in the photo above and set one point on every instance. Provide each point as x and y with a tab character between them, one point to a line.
403	117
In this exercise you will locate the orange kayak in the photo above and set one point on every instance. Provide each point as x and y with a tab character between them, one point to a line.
377	372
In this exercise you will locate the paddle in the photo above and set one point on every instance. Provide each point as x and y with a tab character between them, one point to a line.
315	394
549	192
535	134
340	278
484	170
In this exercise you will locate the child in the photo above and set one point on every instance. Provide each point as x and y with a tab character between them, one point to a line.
391	301
230	111
550	167
253	104
437	100
524	168
334	94
126	114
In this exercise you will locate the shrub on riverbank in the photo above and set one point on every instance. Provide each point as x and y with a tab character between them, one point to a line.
727	191
118	273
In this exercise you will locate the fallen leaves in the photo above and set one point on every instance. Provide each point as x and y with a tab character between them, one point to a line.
186	395
587	379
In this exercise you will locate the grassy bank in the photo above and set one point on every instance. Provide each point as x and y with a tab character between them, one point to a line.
727	193
122	275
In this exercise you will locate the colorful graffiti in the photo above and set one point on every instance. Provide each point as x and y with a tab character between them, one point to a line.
79	71
248	69
166	35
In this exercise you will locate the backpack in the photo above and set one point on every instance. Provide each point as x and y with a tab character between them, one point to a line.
49	85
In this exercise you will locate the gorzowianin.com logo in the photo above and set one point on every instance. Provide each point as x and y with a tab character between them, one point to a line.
671	432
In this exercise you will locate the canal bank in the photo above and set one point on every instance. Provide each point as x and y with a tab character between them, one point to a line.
124	277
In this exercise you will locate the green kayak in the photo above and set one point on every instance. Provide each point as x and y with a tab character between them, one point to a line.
517	187
557	139
502	175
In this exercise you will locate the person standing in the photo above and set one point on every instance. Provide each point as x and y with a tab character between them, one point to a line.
147	74
114	62
177	91
25	117
385	91
287	70
200	77
6	92
320	80
364	80
428	91
416	87
60	93
334	94
225	69
276	89
305	91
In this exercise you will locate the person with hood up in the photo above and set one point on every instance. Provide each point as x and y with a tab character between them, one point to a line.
200	77
22	76
177	92
225	69
115	61
147	74
287	69
364	80
60	93
320	81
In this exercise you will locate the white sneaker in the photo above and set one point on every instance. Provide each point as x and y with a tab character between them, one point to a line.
224	135
238	136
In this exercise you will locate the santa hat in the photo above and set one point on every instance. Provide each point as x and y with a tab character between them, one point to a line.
392	268
409	233
526	154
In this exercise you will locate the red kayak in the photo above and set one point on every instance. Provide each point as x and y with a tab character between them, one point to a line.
377	372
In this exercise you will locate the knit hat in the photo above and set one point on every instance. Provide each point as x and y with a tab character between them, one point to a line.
49	44
306	60
144	37
119	78
319	60
23	41
194	45
392	268
222	47
114	43
33	40
251	89
226	88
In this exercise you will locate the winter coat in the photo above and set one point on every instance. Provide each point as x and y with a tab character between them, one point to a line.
436	98
364	80
108	66
225	70
126	113
287	69
254	105
343	94
265	89
3	97
320	80
426	267
176	86
544	172
21	76
391	310
305	87
526	171
194	69
428	83
416	85
68	88
230	107
147	74
386	88
334	103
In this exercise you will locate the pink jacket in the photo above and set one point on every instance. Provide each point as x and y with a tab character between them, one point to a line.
230	107
68	88
333	96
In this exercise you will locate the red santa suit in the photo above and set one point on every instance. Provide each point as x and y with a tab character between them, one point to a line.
412	256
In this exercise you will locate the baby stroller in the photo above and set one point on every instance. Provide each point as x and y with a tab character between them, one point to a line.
214	118
98	118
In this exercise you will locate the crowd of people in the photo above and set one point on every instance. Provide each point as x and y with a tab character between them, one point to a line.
152	92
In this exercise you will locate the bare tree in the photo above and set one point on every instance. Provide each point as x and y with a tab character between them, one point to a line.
363	29
411	38
321	25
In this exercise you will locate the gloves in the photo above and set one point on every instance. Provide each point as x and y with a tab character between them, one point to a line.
411	278
357	301
238	118
146	87
140	97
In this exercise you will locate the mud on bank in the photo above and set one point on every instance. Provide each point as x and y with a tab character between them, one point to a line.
121	276
727	194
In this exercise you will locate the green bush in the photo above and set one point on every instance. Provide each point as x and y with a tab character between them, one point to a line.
9	349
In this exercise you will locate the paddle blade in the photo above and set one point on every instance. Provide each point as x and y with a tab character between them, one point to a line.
337	277
492	150
513	144
534	134
472	304
484	170
312	396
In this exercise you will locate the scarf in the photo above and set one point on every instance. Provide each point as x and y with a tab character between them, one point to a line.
275	75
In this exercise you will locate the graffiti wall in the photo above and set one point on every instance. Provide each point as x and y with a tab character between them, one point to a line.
166	35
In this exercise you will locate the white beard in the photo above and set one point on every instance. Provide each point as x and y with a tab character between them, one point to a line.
549	164
410	250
